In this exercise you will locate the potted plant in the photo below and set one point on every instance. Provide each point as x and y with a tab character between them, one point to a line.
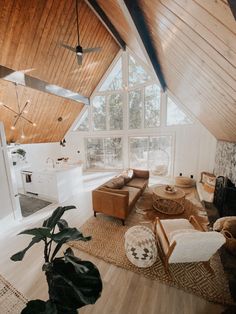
72	283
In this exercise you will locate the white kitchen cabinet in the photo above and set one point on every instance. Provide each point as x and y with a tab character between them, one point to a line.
55	184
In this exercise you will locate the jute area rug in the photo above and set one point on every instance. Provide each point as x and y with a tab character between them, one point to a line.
11	300
108	244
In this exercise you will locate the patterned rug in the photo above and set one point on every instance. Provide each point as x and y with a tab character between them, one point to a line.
11	301
108	244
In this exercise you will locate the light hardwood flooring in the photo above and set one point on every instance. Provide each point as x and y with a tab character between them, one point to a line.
124	292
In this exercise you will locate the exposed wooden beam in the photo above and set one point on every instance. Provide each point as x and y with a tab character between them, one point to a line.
143	33
232	4
106	22
23	79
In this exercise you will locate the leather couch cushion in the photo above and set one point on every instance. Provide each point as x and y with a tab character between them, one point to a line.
133	193
137	183
115	183
138	173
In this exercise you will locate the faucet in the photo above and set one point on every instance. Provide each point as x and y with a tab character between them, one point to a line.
53	163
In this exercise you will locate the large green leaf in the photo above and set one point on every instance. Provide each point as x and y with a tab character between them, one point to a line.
20	255
62	224
40	307
74	284
38	232
67	234
56	215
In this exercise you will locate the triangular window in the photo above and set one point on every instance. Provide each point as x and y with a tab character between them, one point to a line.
175	116
114	79
83	124
137	74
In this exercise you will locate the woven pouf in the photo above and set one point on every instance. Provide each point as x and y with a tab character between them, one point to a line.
140	246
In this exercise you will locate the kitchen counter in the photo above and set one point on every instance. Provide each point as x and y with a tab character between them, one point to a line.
55	184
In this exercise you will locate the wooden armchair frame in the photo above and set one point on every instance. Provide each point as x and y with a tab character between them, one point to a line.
165	256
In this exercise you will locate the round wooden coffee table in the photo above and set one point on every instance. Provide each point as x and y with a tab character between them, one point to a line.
168	203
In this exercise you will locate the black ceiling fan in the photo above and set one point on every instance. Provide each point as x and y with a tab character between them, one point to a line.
78	49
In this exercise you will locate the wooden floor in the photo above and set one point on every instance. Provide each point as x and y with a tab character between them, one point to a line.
124	292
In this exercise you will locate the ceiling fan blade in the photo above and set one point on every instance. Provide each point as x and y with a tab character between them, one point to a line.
79	59
87	50
68	47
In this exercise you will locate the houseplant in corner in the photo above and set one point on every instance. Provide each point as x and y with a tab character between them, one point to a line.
72	283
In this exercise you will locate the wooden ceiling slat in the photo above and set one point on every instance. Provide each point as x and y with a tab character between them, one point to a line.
207	117
31	35
220	11
196	65
199	48
201	29
115	14
192	52
41	41
44	110
213	25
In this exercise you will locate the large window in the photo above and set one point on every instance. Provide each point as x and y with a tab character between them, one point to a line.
99	113
114	79
144	107
129	117
137	74
135	109
152	106
103	153
108	112
153	153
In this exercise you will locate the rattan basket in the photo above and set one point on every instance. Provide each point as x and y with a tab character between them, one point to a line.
184	182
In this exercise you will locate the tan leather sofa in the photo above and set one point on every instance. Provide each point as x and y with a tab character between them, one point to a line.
118	196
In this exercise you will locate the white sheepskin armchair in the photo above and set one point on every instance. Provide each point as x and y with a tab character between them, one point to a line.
182	241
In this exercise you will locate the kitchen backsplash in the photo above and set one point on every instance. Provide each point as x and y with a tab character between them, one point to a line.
225	162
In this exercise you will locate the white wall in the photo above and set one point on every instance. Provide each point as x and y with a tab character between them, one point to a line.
195	149
37	154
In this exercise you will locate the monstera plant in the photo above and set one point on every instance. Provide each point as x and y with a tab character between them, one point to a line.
72	283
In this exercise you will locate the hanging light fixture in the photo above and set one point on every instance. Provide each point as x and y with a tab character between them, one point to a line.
63	141
19	115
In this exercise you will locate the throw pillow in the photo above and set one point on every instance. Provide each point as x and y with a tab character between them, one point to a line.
116	183
209	178
127	175
208	187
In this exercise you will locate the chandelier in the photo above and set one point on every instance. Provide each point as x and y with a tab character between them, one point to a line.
20	113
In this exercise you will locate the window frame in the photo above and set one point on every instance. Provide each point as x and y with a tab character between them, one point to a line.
103	137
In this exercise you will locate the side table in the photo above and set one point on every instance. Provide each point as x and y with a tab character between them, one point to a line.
168	203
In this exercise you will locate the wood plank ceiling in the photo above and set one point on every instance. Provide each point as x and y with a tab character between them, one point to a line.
30	37
196	44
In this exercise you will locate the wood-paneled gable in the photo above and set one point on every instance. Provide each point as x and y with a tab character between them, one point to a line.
196	44
31	33
30	37
114	11
200	57
44	110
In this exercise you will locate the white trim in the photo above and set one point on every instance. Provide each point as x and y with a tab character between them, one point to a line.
11	180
